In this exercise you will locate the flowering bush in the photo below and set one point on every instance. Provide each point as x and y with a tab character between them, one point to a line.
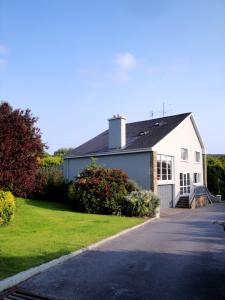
139	203
100	190
7	207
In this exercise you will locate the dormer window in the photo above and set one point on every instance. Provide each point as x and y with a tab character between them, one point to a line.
184	154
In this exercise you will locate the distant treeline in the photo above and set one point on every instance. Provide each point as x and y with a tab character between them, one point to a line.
216	174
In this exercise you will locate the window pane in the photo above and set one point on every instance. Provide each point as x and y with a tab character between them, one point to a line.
158	170
188	178
195	177
197	156
181	179
184	154
185	179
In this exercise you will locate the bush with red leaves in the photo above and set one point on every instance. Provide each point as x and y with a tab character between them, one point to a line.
20	145
100	190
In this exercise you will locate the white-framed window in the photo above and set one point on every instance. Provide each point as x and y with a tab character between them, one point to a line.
197	156
184	154
164	167
185	183
196	177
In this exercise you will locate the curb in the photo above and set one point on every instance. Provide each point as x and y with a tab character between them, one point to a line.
24	275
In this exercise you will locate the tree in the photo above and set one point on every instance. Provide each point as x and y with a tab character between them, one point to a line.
20	146
62	151
216	174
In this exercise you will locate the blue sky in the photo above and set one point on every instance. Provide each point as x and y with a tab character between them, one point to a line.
76	63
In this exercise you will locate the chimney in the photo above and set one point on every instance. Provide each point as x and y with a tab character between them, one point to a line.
117	132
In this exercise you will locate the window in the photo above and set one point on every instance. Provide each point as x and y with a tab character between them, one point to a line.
164	167
184	154
185	183
197	156
196	178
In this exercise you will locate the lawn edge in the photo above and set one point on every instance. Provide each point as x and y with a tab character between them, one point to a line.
24	275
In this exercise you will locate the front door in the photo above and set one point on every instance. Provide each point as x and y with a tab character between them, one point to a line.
185	184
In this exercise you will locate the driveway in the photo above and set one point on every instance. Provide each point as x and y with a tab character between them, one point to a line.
181	256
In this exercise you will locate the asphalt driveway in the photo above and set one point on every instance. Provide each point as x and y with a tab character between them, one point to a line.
181	256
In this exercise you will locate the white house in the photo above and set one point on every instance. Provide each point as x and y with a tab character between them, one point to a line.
166	155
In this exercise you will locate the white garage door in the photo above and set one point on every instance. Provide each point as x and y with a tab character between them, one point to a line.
165	193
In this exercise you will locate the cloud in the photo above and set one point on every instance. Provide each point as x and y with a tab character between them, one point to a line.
3	62
125	63
4	49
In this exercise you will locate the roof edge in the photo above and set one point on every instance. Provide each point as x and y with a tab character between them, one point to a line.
188	115
119	152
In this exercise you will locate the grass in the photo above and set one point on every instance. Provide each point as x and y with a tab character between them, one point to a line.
42	231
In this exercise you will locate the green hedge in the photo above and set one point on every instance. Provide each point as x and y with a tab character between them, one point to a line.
7	207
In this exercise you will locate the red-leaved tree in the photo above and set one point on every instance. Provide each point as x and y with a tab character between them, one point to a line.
20	145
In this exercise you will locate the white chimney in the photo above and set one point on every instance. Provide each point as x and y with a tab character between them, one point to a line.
117	132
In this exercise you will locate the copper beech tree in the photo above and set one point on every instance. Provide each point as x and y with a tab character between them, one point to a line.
20	145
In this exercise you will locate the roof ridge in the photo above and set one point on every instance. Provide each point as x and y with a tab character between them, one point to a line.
160	118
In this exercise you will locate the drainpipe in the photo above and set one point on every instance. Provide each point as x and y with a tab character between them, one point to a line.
204	160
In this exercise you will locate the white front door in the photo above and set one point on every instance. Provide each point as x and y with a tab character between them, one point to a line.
185	184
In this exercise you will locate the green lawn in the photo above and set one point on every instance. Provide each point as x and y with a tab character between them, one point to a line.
42	231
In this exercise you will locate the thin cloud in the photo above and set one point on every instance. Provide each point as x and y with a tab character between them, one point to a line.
3	62
125	63
4	49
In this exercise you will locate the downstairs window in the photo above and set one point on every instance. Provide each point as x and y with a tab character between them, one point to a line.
164	167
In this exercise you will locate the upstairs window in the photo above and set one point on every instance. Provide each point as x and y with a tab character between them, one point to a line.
196	178
197	156
164	167
184	154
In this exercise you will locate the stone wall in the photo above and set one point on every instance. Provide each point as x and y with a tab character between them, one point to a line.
153	172
200	201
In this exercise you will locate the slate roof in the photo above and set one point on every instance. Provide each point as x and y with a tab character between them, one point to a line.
139	135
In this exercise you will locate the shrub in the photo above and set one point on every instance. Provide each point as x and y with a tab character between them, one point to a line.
50	161
99	190
50	185
139	203
7	207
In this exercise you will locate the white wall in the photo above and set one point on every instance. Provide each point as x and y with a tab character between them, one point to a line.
136	165
183	136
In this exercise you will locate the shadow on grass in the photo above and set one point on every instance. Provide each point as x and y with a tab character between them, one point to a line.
51	205
12	265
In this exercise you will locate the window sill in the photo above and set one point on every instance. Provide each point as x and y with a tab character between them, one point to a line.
165	182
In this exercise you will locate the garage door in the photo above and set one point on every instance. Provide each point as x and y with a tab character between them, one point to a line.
165	193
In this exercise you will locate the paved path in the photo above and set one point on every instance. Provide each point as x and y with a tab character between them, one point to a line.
181	256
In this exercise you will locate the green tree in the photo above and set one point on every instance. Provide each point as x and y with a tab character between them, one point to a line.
216	174
62	151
